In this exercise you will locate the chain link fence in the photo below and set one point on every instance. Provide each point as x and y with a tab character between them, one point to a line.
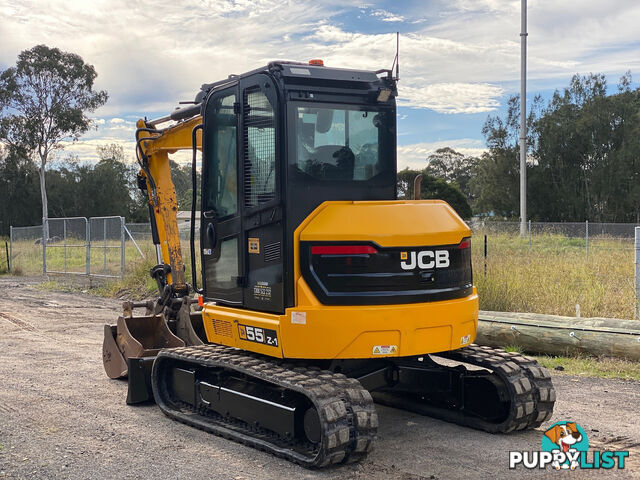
588	236
141	234
107	255
66	248
95	247
590	262
25	250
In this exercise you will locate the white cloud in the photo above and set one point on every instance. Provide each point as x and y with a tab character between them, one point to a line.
452	97
415	155
460	56
386	16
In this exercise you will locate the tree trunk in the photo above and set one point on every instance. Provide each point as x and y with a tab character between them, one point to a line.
43	195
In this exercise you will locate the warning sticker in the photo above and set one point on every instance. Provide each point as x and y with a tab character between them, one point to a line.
464	340
254	245
385	349
299	317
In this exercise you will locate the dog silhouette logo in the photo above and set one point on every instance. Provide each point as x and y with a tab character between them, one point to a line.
566	440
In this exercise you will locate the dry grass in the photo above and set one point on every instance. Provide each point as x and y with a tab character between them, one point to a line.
554	276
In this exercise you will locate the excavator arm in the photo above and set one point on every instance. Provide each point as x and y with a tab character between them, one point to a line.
131	344
154	147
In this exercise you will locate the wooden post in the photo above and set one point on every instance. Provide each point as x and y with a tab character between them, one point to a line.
556	335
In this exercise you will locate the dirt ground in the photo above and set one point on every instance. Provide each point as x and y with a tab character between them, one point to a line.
61	417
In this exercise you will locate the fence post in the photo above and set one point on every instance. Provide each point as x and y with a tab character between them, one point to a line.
11	248
104	235
64	235
586	236
637	245
485	255
44	245
122	254
88	245
529	234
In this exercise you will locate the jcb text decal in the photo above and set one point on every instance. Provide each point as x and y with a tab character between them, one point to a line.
424	259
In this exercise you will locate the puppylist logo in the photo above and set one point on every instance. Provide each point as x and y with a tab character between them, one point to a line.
565	446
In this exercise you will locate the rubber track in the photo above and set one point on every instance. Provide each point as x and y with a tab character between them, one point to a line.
528	384
346	410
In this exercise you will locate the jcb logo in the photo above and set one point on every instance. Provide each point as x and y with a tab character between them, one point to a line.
424	259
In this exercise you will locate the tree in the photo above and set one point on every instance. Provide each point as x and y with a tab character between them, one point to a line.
181	176
433	188
44	100
452	167
18	190
588	152
494	183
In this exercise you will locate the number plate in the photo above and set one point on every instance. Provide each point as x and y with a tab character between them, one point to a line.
264	336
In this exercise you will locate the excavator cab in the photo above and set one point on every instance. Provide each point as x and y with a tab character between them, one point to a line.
277	143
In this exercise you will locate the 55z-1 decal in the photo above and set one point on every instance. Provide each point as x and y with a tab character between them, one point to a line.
258	335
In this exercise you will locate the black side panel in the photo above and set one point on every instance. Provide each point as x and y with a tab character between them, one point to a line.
264	285
386	275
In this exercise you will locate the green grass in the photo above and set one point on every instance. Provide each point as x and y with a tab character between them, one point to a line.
604	367
513	348
554	275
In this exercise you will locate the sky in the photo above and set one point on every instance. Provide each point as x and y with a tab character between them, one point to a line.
459	59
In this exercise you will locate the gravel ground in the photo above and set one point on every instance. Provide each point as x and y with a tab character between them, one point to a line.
61	417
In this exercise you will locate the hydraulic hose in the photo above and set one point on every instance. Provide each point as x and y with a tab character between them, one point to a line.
194	195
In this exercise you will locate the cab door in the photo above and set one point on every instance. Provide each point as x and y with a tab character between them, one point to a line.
220	228
262	213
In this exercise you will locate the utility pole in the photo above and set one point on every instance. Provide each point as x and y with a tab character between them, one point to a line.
523	120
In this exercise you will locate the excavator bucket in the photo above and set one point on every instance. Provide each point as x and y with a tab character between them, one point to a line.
114	363
134	337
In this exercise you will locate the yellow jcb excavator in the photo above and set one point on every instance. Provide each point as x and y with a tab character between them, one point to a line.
321	292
